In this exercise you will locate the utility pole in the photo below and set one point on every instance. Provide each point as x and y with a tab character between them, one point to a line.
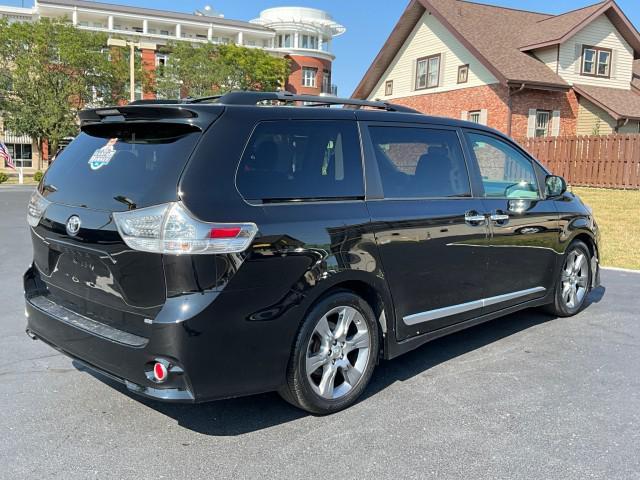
132	72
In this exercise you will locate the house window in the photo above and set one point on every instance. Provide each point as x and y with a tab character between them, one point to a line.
463	73
309	76
21	154
543	123
596	61
305	41
475	116
284	41
162	59
326	81
388	87
427	72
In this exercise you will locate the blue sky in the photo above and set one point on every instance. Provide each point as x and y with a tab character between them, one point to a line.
368	22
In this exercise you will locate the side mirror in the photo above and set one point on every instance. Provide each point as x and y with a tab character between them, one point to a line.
555	186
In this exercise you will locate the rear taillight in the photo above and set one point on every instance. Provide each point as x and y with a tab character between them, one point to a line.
171	229
36	208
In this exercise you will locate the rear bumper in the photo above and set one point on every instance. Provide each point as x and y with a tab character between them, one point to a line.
116	360
210	341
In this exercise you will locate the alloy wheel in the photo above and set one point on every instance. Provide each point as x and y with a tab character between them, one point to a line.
575	279
338	352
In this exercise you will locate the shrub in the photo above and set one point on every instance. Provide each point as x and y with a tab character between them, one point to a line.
38	176
3	177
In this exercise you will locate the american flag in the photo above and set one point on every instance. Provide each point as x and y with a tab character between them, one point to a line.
6	156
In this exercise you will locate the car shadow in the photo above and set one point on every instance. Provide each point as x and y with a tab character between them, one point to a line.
249	414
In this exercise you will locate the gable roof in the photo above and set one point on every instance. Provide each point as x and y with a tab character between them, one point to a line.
495	36
560	28
552	30
620	104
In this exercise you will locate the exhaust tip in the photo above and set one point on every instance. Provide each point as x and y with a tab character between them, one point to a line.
31	335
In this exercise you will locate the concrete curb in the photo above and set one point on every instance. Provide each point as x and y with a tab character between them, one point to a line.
618	269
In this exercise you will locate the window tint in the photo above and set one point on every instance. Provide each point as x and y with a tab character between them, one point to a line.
120	166
302	160
420	162
505	171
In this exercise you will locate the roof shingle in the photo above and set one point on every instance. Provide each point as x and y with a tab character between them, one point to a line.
619	103
496	33
555	28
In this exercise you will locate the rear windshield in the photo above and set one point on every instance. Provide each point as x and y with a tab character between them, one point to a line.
121	166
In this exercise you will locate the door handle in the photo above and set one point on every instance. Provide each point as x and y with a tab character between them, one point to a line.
475	219
499	218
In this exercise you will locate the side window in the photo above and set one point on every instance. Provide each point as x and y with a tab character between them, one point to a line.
286	160
420	162
505	171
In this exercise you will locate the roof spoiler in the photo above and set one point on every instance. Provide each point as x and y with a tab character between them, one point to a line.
146	112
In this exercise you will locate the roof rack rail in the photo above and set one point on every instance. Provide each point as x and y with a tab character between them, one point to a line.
254	98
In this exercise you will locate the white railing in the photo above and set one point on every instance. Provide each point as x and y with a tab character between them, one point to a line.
10	137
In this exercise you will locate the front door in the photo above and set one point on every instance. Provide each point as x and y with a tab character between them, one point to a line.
428	227
523	225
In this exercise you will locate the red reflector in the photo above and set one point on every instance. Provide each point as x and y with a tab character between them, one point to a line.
160	372
231	232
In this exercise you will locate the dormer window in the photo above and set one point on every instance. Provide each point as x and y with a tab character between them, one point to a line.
596	62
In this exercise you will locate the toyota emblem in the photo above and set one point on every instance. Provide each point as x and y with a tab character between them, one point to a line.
73	225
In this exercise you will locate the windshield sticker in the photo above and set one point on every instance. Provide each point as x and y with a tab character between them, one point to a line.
103	155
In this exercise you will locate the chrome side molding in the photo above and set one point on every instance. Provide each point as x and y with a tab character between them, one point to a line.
429	315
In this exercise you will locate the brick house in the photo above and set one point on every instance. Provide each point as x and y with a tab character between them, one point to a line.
524	73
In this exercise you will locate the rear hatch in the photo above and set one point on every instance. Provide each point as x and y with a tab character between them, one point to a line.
130	158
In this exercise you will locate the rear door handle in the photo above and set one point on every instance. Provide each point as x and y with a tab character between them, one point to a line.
475	219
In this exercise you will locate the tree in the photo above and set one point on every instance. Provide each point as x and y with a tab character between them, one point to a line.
207	69
50	71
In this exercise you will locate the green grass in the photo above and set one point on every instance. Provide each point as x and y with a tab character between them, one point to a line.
618	215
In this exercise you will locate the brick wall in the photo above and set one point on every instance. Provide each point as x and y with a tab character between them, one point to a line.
149	65
566	102
453	103
294	82
493	98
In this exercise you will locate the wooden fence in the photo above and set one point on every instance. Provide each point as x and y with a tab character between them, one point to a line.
611	161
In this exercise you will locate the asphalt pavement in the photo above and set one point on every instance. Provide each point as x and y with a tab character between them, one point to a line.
527	396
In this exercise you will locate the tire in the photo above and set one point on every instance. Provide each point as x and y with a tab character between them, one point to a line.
334	355
573	283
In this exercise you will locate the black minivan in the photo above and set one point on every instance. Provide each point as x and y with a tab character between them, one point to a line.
202	249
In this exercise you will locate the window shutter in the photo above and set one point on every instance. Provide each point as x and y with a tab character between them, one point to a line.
483	116
414	66
531	126
441	71
613	64
464	115
578	58
555	123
